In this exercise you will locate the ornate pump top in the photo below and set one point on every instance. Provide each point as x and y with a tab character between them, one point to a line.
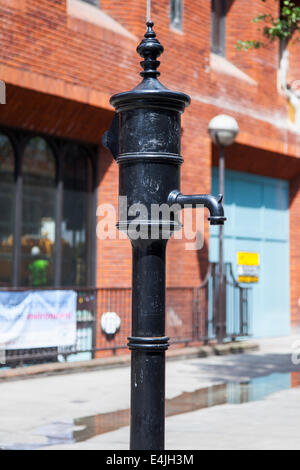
150	49
150	92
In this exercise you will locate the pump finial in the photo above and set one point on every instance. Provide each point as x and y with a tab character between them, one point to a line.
150	49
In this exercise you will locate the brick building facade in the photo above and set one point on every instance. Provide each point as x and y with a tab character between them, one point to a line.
61	61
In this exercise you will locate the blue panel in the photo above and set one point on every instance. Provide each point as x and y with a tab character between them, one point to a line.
276	217
258	221
248	218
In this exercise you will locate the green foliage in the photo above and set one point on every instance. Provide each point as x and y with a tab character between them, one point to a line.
282	27
246	45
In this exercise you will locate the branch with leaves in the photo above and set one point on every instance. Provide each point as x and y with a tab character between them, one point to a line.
282	27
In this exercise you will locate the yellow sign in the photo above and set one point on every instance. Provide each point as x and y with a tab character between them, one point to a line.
248	267
247	259
248	279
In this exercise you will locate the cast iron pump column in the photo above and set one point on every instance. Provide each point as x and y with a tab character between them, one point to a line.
145	141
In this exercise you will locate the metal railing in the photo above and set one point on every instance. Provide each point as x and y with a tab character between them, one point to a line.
191	317
238	301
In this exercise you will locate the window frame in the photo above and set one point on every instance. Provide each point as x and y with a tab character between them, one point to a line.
220	23
19	139
13	149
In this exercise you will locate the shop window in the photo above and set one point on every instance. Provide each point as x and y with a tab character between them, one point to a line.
218	20
38	218
76	223
47	219
7	203
176	14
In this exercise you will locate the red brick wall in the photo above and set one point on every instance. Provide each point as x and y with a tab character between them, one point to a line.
113	256
294	66
61	71
294	249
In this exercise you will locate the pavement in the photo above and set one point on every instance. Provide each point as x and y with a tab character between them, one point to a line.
245	401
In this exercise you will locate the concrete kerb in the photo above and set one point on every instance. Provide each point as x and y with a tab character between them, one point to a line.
122	361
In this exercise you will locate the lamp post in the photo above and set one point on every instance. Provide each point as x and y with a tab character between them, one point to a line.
144	138
223	130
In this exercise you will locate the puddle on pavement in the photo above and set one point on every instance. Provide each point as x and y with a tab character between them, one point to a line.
231	392
85	428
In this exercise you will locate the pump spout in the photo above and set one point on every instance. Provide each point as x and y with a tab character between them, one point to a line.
213	204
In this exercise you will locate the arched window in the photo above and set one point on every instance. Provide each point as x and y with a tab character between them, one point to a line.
38	214
47	213
7	205
76	219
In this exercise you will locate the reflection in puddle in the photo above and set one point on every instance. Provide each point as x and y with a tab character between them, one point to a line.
81	429
100	424
228	393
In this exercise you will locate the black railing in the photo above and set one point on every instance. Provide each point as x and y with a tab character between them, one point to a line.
192	315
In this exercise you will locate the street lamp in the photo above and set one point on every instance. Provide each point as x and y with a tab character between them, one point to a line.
223	130
144	139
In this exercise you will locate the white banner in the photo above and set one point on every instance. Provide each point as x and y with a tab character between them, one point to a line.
37	319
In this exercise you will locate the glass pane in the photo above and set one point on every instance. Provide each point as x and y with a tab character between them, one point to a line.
38	225
7	204
218	14
176	13
93	2
76	217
